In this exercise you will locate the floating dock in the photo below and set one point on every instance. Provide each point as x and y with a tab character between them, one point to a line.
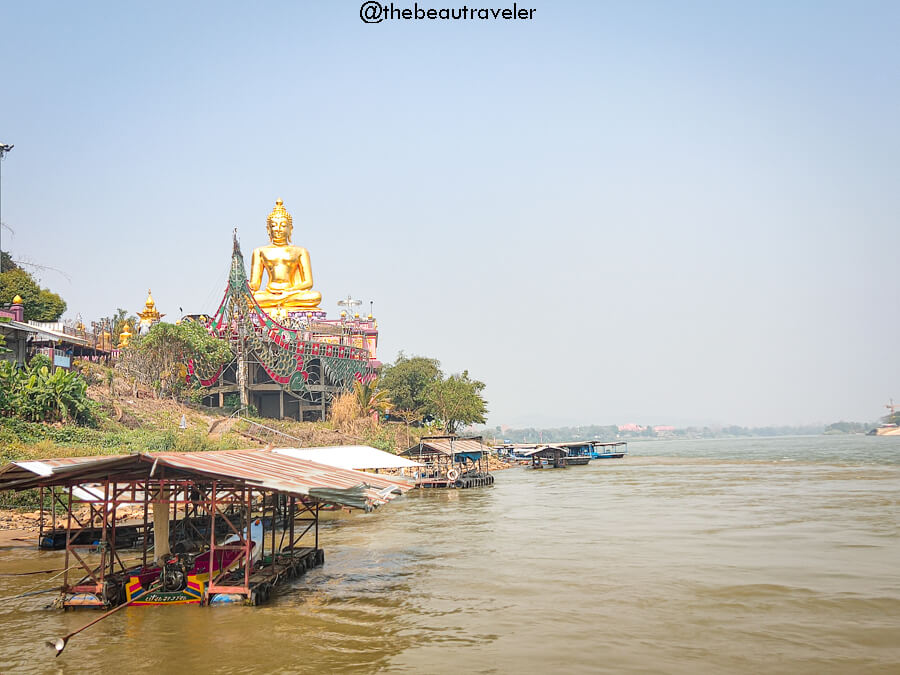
241	522
450	462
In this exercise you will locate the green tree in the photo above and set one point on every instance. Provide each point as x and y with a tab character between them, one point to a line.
7	263
159	358
457	402
407	380
40	303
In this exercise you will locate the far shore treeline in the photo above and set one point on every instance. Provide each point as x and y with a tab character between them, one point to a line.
611	432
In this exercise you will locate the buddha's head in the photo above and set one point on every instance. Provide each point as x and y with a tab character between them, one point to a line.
280	225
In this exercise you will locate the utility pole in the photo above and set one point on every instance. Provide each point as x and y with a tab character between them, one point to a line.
4	148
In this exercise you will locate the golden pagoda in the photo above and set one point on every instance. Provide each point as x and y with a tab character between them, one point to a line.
149	316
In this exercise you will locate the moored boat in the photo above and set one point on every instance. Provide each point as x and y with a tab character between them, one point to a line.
547	457
184	576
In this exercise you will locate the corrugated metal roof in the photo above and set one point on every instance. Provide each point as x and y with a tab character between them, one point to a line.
43	467
445	446
276	472
350	457
258	468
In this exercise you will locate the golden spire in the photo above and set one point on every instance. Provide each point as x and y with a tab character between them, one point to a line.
150	315
17	300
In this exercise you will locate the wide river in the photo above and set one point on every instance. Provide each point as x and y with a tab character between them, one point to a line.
739	556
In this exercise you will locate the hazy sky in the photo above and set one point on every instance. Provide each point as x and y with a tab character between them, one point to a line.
653	212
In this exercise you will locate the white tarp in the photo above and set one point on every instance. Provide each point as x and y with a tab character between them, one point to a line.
86	493
350	457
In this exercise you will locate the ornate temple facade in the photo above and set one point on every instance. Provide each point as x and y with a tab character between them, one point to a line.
289	359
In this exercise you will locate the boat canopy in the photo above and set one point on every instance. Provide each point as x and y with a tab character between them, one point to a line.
545	451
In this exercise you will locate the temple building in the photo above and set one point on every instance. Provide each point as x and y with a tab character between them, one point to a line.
150	316
290	360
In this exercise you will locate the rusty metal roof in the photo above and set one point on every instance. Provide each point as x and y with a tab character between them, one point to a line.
281	473
255	468
41	467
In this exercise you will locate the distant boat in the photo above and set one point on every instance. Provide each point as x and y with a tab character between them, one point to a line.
584	451
612	450
547	457
887	428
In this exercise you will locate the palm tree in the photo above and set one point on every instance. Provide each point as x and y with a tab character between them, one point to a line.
369	398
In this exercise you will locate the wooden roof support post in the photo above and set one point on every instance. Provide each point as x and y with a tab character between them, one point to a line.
161	515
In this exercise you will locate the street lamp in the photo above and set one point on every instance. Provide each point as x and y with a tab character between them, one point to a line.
4	148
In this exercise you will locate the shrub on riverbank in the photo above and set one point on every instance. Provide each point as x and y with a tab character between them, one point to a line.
38	394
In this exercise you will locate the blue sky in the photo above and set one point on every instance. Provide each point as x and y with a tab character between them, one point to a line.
659	212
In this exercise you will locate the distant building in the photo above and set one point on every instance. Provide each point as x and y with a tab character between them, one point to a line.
631	427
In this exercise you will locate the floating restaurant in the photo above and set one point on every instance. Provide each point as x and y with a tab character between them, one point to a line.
225	526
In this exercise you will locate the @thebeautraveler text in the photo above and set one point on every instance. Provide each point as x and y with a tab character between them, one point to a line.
376	12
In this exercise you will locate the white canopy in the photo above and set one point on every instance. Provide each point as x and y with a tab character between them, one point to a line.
350	457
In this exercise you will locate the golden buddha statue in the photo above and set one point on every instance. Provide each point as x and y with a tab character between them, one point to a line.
290	281
125	335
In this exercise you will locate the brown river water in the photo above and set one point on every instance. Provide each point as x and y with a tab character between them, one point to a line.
739	556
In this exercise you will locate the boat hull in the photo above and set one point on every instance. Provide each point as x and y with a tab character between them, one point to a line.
192	594
579	460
